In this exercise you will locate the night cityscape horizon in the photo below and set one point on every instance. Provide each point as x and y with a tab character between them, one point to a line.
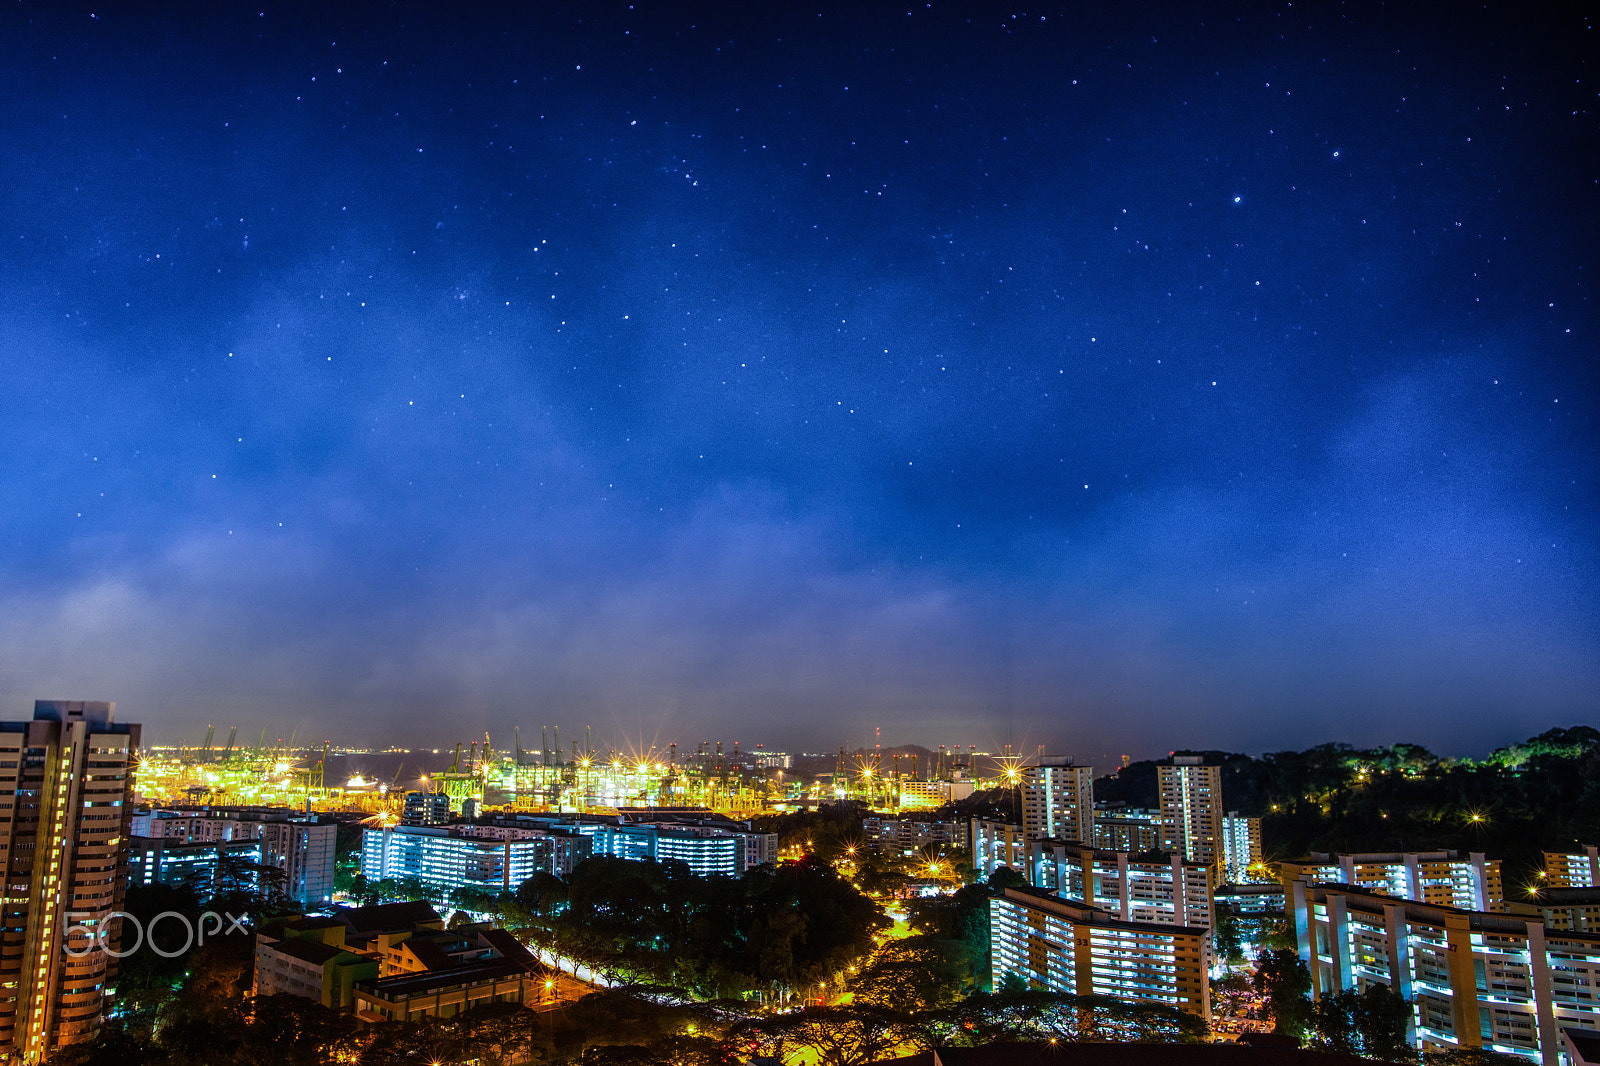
687	533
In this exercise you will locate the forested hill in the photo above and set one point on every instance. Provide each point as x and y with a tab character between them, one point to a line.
1542	794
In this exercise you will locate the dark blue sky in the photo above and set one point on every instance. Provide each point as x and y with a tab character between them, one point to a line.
1116	382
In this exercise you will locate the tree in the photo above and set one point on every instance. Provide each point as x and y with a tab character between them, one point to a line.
498	1034
1228	936
1381	1019
543	894
662	1019
962	917
1005	877
117	1045
1011	985
839	920
476	901
1033	1016
916	974
831	1036
666	1051
1333	1022
297	1032
1371	1022
145	979
1286	983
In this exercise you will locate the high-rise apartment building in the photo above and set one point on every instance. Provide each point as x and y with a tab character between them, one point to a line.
299	846
1444	878
1241	847
1057	945
997	844
65	781
1170	892
307	855
1473	979
1121	828
1058	801
905	836
1575	869
1191	808
1575	909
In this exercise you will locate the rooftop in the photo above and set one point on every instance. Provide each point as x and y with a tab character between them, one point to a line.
389	916
313	951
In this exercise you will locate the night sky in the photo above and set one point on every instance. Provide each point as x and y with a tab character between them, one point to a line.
1109	381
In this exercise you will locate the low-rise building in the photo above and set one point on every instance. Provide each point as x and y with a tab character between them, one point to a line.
440	975
928	795
1443	878
396	961
1060	946
323	969
446	858
1474	979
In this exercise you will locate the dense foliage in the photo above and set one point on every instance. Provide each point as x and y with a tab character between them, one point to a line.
1542	794
776	930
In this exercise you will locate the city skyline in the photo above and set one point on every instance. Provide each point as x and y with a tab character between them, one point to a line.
1117	382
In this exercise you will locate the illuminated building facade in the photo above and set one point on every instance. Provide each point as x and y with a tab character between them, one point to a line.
1056	945
1191	808
1444	878
905	836
446	859
305	854
1474	979
1574	909
1175	892
426	808
997	844
1058	801
65	786
1576	869
710	850
301	848
1128	829
927	795
1241	847
158	860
